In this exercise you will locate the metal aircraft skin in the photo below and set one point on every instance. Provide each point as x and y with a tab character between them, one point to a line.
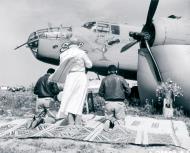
164	51
102	41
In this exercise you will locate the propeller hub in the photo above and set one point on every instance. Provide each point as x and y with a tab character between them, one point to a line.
149	35
139	36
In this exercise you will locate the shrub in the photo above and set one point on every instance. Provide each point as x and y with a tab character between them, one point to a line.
17	103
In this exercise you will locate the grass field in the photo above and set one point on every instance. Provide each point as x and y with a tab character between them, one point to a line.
22	105
71	146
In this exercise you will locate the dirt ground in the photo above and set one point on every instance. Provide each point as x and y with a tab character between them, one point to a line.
19	105
72	146
58	145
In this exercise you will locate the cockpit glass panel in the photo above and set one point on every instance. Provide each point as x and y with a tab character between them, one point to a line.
115	29
54	32
89	25
103	27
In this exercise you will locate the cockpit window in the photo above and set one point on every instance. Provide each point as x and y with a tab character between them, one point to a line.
89	25
103	27
115	29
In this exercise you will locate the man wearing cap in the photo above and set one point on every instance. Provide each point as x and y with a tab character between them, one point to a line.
114	89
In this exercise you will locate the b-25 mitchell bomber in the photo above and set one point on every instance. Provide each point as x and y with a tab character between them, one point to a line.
163	53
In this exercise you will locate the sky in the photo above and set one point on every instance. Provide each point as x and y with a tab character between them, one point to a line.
19	18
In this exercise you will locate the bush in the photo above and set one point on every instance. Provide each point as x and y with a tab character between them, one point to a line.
17	103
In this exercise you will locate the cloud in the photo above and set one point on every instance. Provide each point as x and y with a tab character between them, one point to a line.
20	18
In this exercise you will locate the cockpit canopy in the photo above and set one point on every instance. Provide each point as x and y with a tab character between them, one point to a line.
103	27
89	25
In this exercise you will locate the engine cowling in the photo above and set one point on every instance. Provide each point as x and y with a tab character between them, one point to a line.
171	31
173	62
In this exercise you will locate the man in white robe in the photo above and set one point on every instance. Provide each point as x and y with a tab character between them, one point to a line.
75	86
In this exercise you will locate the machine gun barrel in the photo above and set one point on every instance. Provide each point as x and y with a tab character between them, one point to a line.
28	42
21	45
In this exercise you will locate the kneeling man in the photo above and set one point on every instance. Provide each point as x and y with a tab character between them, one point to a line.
114	89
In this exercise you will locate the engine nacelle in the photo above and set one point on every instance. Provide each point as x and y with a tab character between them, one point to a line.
172	31
173	62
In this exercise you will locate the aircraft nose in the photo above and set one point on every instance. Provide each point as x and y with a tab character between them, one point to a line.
33	42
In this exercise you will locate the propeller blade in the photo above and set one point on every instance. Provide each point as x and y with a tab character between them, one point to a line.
151	11
156	68
127	46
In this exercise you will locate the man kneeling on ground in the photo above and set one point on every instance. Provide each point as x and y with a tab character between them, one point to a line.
114	89
46	92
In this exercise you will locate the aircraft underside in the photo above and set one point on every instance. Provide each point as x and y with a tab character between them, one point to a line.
173	62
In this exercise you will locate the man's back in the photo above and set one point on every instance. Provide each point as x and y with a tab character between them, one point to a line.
41	88
114	87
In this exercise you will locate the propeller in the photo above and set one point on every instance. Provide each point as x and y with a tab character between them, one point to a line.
135	35
146	37
156	68
147	31
127	46
151	12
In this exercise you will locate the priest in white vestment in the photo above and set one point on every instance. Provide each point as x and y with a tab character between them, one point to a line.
75	86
